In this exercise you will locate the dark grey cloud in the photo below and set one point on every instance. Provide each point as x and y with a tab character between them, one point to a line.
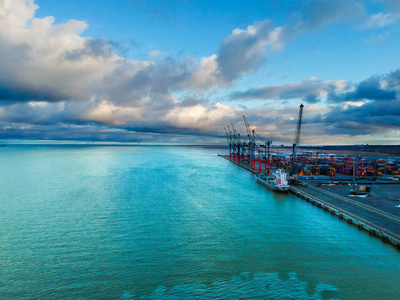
308	90
192	101
393	80
163	127
311	98
65	132
152	81
12	93
156	131
377	113
369	89
380	112
32	114
93	47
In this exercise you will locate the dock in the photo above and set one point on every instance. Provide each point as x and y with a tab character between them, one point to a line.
375	214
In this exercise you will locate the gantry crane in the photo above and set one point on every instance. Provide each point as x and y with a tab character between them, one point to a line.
236	138
233	143
229	139
255	148
251	145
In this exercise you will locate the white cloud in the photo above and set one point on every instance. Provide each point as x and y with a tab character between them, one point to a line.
37	103
34	54
206	74
106	112
348	104
200	117
381	20
245	50
240	53
156	54
16	13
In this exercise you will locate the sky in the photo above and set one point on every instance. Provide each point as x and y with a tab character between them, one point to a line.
179	71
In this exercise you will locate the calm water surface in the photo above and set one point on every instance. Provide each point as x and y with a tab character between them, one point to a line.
171	223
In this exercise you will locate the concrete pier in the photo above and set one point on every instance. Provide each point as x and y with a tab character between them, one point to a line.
377	222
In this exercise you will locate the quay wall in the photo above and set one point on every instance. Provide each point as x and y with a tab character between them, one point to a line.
351	218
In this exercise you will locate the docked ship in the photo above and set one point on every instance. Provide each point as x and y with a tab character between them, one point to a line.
278	182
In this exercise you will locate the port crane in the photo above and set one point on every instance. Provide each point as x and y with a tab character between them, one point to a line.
237	143
248	150
252	143
229	139
254	148
296	142
232	143
263	149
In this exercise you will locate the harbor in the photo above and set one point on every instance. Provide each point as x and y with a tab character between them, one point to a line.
377	214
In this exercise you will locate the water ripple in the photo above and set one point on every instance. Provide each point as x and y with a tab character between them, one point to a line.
243	286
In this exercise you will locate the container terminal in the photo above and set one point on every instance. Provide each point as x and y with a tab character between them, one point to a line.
363	190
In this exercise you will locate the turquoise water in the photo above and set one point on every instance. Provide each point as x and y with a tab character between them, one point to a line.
171	223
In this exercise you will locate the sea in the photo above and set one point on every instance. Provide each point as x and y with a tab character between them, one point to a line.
171	222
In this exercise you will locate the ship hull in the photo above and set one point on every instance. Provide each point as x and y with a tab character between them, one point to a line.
266	183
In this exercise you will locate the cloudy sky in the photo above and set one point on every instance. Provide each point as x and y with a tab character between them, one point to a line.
179	71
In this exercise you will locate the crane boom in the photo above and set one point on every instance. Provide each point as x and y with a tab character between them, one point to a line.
251	146
227	135
236	136
230	132
229	139
246	123
232	138
296	140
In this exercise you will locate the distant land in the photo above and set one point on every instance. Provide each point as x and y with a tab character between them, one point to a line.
391	150
386	150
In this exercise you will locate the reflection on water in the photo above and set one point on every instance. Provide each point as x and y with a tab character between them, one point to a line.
243	286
